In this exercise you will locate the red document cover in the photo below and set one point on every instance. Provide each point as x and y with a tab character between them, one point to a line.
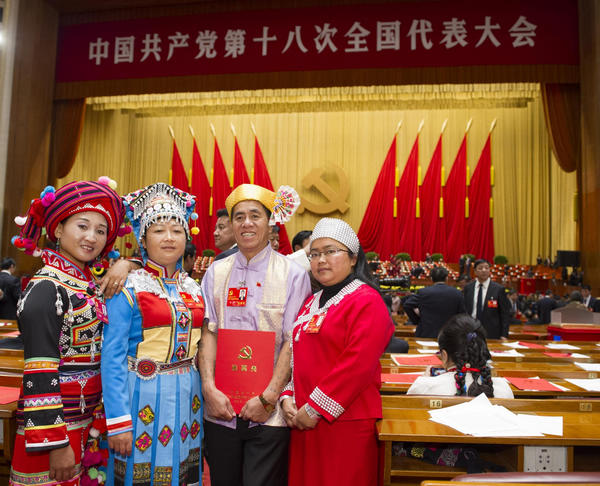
558	355
537	384
8	394
415	360
399	378
244	364
531	345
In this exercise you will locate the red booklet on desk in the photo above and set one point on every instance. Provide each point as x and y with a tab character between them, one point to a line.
244	364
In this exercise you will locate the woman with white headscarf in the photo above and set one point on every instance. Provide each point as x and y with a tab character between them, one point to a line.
332	401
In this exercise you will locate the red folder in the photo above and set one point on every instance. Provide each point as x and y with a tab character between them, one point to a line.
244	364
8	394
531	345
399	378
415	360
537	384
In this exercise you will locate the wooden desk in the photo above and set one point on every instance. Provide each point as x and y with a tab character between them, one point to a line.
406	419
11	364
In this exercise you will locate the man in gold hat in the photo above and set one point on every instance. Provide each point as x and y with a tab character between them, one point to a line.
254	289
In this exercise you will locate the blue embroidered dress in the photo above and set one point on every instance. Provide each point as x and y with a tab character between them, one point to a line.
151	385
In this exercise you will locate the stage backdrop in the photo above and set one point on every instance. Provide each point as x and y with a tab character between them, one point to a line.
346	132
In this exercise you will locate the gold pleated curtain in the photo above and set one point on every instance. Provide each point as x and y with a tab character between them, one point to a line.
351	128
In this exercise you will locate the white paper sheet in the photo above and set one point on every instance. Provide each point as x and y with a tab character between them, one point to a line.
579	355
588	366
480	418
509	352
548	425
515	345
424	351
431	344
592	384
561	346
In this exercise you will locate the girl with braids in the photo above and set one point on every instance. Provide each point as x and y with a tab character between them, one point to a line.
464	355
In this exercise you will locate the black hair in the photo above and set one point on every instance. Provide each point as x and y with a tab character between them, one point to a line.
275	228
586	287
222	212
190	250
361	270
300	237
479	262
7	263
513	291
438	274
463	338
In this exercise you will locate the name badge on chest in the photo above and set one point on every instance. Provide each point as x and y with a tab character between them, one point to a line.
236	296
191	301
315	323
101	313
492	304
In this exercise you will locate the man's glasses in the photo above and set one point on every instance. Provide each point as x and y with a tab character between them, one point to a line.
329	253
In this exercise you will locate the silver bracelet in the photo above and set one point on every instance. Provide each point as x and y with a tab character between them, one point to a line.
311	412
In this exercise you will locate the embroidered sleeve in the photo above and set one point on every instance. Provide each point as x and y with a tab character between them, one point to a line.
369	328
114	363
40	322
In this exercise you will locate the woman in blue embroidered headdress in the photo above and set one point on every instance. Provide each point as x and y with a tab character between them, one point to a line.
151	385
61	315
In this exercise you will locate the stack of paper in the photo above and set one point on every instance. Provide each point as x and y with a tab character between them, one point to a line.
478	417
430	344
589	385
588	366
510	352
515	345
561	346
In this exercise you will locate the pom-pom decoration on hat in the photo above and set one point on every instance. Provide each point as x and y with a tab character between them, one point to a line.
287	201
55	205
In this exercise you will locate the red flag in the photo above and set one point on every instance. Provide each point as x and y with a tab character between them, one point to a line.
178	176
262	178
201	189
408	222
220	187
454	201
377	230
432	219
481	223
240	174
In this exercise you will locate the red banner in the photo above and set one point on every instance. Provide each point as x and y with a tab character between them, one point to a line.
394	35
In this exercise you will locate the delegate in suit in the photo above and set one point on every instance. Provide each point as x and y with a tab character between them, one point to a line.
486	301
431	307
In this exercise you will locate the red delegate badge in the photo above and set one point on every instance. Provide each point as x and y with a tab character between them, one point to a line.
493	304
314	325
236	297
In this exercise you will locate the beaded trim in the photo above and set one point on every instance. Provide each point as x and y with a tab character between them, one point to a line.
327	403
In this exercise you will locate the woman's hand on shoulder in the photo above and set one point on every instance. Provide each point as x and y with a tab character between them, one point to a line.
116	276
62	464
121	443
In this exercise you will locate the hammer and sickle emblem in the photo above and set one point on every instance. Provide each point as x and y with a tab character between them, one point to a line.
336	200
245	353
